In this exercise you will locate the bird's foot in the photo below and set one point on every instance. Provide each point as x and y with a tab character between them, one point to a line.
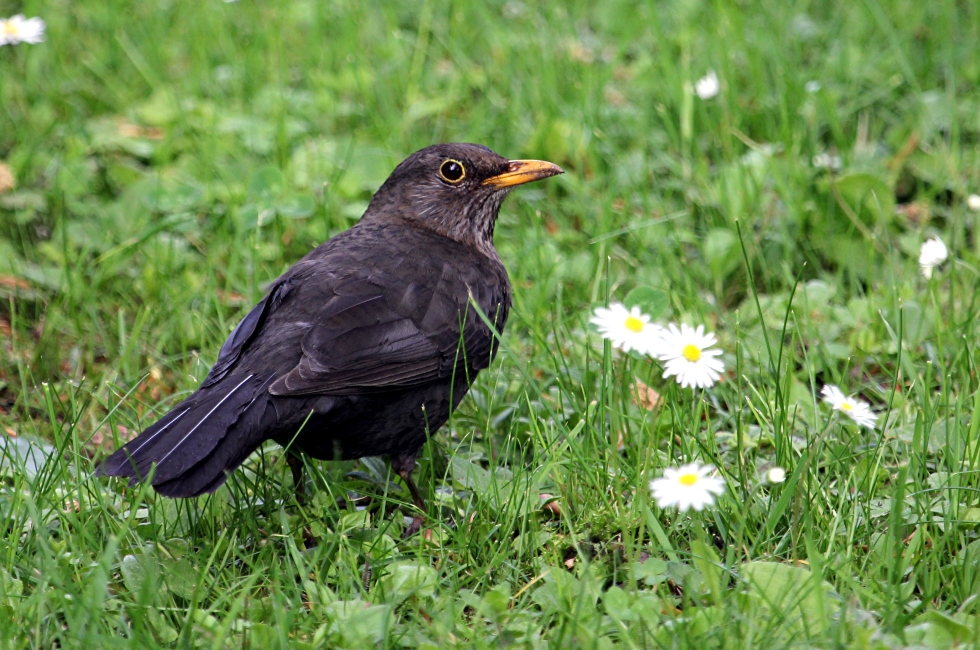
413	527
404	466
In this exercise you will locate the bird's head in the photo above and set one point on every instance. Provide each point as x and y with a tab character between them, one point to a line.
455	190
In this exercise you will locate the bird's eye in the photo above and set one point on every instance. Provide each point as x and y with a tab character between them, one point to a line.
452	171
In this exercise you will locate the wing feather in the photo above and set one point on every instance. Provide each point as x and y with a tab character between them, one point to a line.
391	333
343	322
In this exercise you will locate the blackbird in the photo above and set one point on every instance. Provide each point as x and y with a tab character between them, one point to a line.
364	346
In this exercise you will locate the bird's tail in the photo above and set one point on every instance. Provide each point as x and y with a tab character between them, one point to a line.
202	440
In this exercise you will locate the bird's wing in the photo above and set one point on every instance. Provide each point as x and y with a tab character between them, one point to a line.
392	331
247	329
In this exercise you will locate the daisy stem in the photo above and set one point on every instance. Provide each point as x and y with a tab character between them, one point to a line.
658	534
941	330
739	429
707	444
608	432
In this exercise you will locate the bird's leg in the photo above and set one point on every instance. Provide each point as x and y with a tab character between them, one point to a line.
416	524
403	466
295	463
414	490
296	467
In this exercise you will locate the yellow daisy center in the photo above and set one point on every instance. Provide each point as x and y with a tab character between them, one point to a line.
691	352
687	480
634	324
9	27
846	406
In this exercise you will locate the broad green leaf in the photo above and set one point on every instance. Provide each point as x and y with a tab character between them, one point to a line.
497	599
651	571
181	578
934	629
407	579
357	622
23	455
616	602
971	516
296	206
652	302
866	192
256	215
160	109
708	563
353	520
798	597
266	182
721	252
172	197
137	571
10	587
494	488
315	161
698	622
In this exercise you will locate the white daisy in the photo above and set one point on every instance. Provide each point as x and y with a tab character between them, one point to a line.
627	329
688	486
856	409
686	354
707	86
932	254
18	29
973	202
776	475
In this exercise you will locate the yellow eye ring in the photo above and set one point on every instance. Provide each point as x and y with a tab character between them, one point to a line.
452	171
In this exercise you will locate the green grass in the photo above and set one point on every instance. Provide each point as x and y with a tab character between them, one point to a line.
173	157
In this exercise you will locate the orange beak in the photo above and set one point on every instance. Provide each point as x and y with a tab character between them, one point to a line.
524	171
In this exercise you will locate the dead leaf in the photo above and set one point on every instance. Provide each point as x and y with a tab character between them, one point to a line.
231	298
579	51
551	505
7	180
129	130
916	213
14	282
101	442
645	397
903	154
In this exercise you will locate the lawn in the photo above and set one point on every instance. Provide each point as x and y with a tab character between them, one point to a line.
162	161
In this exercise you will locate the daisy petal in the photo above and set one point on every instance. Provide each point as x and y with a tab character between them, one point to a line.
856	409
627	329
687	355
687	487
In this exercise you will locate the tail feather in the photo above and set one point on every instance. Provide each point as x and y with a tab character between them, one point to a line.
135	457
197	444
212	470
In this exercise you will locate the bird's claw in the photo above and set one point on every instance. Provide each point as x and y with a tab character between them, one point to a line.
413	527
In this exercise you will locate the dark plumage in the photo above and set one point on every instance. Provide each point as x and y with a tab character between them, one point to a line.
365	345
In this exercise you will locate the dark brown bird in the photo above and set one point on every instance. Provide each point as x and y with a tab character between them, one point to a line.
365	345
